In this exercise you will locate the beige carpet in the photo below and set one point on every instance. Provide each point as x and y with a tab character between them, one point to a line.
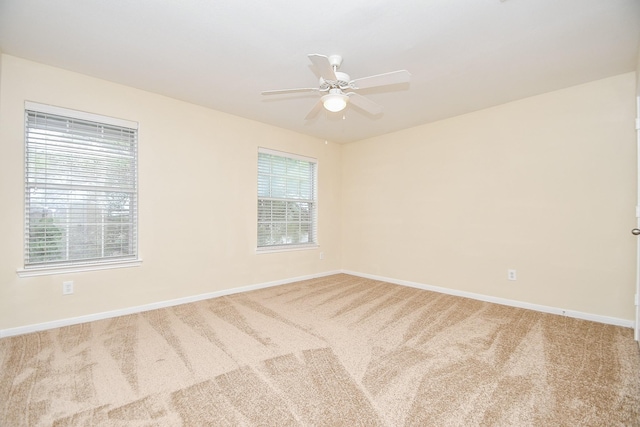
333	351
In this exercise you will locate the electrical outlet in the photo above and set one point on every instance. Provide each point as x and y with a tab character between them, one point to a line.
321	255
67	288
511	274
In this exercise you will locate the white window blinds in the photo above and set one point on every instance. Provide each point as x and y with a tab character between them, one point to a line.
286	200
81	198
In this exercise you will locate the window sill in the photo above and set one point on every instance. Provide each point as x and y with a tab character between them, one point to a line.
65	269
272	249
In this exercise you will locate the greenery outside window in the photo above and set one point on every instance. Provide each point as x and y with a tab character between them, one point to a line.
81	196
287	201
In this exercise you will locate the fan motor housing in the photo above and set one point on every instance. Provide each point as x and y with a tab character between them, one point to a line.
342	81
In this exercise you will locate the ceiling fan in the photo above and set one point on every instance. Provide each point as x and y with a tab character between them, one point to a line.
336	84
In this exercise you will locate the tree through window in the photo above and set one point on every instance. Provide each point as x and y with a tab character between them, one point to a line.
286	200
80	188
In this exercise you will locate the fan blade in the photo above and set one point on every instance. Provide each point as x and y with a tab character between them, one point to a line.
323	66
279	91
394	77
314	111
364	103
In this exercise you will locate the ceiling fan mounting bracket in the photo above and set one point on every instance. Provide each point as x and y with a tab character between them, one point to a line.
335	61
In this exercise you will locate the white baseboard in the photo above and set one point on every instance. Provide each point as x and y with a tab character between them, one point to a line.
503	301
153	306
162	304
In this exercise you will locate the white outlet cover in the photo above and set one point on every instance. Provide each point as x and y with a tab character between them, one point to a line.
67	288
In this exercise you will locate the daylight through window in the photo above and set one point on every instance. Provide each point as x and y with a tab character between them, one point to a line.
80	188
286	200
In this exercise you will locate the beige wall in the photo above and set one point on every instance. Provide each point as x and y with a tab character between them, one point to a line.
197	189
544	185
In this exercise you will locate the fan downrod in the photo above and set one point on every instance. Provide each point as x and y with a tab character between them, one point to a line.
335	61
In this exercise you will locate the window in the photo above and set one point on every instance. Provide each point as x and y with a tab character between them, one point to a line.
80	189
286	200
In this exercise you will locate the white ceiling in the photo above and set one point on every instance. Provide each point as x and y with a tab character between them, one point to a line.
463	55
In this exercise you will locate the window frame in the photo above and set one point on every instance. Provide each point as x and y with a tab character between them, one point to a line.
76	265
313	201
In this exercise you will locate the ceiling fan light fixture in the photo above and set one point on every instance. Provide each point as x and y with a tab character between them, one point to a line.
335	100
